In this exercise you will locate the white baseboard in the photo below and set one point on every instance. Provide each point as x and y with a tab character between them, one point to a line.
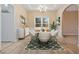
70	34
10	40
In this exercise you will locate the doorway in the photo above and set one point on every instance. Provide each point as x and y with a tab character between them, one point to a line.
70	25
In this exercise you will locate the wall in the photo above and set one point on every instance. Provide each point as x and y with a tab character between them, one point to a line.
0	27
10	22
32	14
59	14
70	23
78	25
19	10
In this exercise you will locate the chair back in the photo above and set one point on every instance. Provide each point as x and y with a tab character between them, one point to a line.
44	36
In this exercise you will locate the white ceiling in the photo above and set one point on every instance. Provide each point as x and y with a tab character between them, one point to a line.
50	7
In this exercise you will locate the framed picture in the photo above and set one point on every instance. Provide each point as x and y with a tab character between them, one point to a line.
22	19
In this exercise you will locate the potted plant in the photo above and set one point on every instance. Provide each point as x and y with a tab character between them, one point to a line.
58	21
53	26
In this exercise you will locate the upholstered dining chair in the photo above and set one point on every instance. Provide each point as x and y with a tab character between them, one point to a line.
44	36
32	32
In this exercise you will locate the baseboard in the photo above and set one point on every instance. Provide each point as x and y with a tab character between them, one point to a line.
71	34
9	40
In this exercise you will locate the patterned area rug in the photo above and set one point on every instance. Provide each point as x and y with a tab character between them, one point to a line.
36	44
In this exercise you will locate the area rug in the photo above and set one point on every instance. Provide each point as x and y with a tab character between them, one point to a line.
36	44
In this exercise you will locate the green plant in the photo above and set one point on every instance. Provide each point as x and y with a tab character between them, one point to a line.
58	21
53	26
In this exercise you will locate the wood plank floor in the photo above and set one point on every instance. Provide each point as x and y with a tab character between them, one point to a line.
19	47
71	42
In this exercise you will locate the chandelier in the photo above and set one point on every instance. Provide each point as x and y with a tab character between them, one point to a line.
42	8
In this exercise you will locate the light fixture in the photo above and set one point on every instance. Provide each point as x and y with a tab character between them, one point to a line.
42	8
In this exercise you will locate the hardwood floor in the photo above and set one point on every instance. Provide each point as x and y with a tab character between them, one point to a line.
71	42
19	47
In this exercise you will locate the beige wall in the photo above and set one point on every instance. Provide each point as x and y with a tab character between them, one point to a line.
59	14
19	10
78	25
0	27
32	14
70	23
60	10
78	19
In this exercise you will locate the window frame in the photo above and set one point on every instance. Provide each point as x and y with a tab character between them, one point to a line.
41	22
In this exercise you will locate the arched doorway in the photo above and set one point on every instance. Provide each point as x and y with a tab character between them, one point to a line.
70	24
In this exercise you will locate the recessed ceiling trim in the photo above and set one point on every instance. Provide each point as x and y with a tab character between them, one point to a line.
34	7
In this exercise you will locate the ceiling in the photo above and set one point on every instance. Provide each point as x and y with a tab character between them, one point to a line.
50	7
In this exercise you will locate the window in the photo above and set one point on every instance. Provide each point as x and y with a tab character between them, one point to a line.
42	21
38	22
45	21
